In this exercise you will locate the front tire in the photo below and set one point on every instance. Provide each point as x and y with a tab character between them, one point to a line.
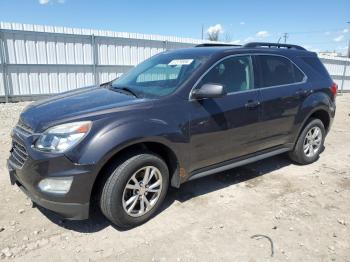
310	143
134	190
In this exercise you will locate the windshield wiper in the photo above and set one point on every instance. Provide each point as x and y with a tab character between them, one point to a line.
123	90
106	84
128	90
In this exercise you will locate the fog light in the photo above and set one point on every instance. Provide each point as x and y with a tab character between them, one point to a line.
57	185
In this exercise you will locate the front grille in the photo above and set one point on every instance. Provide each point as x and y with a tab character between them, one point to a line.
24	128
18	153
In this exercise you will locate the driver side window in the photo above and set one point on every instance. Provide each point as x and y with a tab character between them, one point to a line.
234	73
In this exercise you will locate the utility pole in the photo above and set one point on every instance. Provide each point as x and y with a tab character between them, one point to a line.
349	47
285	36
202	32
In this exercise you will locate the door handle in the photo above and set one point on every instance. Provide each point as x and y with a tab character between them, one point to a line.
303	93
300	92
252	104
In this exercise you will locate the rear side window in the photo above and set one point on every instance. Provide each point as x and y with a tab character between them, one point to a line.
316	65
278	70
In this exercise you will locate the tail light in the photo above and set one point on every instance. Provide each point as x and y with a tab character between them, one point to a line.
334	89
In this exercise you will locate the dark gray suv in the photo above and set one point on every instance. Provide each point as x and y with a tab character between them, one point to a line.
177	116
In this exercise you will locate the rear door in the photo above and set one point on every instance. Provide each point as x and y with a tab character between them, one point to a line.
282	91
225	128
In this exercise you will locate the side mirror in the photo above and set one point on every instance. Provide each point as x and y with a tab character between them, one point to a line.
208	91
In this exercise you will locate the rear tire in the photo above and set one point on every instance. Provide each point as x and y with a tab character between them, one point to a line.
310	143
134	190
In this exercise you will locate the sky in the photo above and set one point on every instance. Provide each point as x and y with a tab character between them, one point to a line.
318	25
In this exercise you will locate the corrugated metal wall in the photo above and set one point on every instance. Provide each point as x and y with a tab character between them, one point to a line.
339	69
41	60
45	59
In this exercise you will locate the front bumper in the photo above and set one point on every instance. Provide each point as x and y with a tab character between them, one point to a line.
39	165
72	211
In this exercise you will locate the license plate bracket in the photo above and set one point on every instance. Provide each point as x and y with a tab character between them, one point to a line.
13	177
12	173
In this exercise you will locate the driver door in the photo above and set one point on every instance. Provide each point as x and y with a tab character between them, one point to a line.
225	128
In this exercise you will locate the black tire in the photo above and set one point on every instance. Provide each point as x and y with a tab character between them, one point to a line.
298	155
111	199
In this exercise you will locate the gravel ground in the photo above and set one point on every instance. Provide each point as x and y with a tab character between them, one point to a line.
303	210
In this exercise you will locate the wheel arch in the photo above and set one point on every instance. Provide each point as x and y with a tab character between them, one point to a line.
156	147
324	116
321	113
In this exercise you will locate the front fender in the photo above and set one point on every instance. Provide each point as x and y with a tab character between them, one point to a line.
115	137
110	137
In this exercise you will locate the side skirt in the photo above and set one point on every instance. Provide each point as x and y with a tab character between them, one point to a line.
238	163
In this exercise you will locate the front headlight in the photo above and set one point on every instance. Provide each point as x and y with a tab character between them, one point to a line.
62	137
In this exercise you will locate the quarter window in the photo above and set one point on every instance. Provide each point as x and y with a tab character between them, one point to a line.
234	73
277	70
316	65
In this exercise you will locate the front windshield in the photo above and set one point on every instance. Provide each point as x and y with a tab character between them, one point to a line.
160	75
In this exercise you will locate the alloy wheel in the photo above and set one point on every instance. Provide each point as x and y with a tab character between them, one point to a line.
142	191
312	141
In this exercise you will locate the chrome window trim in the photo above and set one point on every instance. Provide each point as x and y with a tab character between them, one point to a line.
254	89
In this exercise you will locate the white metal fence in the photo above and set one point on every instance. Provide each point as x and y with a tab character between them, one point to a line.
40	60
339	69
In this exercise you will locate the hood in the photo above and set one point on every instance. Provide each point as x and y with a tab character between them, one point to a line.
74	104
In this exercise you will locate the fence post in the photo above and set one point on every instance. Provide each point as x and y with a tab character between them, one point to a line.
343	77
4	66
94	59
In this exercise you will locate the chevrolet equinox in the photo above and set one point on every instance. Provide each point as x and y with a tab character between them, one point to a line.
178	116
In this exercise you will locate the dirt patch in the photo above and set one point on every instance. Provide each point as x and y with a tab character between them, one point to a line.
304	210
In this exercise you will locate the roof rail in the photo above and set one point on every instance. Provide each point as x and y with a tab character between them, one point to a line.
276	45
215	44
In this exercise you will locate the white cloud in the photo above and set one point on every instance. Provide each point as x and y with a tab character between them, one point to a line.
346	30
45	2
249	39
262	34
215	29
316	50
339	38
236	42
214	32
242	23
342	47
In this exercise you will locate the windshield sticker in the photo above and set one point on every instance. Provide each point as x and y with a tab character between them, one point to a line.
176	62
